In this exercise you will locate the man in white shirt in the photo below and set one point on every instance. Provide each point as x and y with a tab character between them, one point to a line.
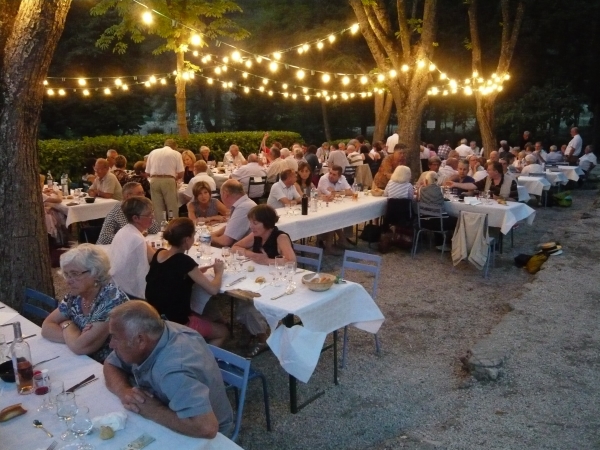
574	147
392	141
337	158
588	161
289	158
234	156
323	152
449	170
165	167
539	152
354	157
474	147
277	165
283	192
329	185
531	166
200	174
463	149
106	184
248	172
111	156
238	225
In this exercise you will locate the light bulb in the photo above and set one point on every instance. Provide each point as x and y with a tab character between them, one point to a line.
245	75
320	45
246	89
354	28
404	68
106	91
277	56
421	64
236	56
81	82
304	90
363	80
393	73
345	80
50	91
163	81
86	92
125	87
248	63
380	77
218	70
284	86
196	39
326	77
209	80
265	81
431	67
300	74
61	92
45	82
331	38
273	66
147	17
152	79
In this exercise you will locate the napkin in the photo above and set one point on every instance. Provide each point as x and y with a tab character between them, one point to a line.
115	420
472	201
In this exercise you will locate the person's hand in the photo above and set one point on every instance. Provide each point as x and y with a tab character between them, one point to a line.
449	183
219	267
143	403
259	258
92	192
131	398
88	327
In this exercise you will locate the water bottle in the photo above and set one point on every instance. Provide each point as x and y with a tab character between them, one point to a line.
205	240
64	183
21	360
49	181
313	193
170	215
163	223
313	205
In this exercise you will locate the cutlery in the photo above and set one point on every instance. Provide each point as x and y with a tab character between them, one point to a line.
6	324
85	384
45	361
235	281
38	424
52	446
72	388
287	291
244	260
2	307
25	337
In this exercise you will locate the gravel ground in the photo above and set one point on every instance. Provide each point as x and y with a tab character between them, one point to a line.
417	395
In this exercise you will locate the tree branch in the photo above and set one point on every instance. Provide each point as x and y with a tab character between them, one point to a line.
429	28
368	32
509	43
475	41
404	30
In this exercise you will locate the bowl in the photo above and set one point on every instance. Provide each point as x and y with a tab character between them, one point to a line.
320	283
90	199
7	374
377	192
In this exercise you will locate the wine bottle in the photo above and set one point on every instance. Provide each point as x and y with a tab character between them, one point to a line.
21	359
304	205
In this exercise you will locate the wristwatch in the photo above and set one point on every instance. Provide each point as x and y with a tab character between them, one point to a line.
65	325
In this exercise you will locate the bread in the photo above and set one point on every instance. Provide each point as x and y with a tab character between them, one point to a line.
106	433
11	411
260	280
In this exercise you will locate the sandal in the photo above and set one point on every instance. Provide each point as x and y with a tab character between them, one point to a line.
257	349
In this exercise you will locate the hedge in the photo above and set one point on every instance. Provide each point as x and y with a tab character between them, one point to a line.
61	156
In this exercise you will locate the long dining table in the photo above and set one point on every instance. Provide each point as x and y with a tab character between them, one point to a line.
80	212
499	216
19	433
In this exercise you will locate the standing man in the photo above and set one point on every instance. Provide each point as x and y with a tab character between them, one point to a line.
323	152
252	170
392	141
337	158
111	156
238	225
464	150
165	167
574	147
106	184
178	383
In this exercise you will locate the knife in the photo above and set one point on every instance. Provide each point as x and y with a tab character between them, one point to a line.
235	281
81	383
24	337
85	384
45	361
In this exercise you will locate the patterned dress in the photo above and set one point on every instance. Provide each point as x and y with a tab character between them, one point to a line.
108	297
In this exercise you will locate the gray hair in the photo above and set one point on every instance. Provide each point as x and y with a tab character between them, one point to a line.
111	151
252	157
553	148
463	141
430	176
531	159
135	206
350	148
89	257
129	187
402	174
138	317
285	152
503	142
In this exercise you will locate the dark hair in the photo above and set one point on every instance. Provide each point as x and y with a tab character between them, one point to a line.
364	149
265	215
139	167
275	152
312	149
179	229
360	138
304	165
285	174
378	146
497	166
337	169
400	146
120	162
199	187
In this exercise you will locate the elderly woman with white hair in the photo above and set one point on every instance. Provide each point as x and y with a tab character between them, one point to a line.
531	165
81	319
399	185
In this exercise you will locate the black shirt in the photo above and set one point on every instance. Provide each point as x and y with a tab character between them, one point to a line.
187	175
169	288
270	245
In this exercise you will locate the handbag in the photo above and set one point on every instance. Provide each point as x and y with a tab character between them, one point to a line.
371	233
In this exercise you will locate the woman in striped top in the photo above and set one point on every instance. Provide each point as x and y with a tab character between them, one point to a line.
399	185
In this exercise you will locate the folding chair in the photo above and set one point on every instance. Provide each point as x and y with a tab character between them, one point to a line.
27	308
252	181
369	268
300	250
350	174
483	222
236	373
429	219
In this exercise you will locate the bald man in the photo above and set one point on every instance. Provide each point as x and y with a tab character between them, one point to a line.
106	184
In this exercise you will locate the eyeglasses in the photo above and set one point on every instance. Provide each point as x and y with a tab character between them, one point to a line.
147	215
74	275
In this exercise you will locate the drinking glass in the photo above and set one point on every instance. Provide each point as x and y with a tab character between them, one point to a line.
239	257
273	272
280	266
290	271
226	254
57	387
66	409
41	385
288	209
81	426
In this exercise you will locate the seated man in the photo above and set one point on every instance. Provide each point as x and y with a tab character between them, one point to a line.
284	192
234	156
178	383
238	225
462	177
115	219
289	159
278	164
329	185
554	156
200	174
252	170
338	157
588	161
354	157
106	184
449	170
496	183
531	165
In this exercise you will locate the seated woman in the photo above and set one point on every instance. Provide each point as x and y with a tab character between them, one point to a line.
474	166
81	319
130	253
189	159
205	206
304	178
531	166
120	170
430	194
55	217
140	176
497	183
399	185
207	156
172	275
462	177
262	245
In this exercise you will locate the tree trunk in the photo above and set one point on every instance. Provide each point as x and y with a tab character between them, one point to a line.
383	110
326	127
485	120
218	110
27	44
180	97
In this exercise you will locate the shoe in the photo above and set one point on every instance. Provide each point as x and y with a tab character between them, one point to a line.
257	349
444	248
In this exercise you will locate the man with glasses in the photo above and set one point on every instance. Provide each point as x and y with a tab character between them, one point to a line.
106	184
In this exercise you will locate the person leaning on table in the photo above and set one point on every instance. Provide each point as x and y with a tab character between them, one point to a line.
106	184
498	183
177	381
81	319
235	199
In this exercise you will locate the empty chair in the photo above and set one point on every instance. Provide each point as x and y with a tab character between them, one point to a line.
256	188
365	267
300	250
431	219
236	373
27	308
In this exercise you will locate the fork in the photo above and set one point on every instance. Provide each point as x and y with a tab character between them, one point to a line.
52	446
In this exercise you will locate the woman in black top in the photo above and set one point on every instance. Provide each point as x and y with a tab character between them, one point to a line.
171	277
265	240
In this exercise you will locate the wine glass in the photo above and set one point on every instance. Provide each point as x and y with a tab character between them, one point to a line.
280	267
273	273
290	271
81	426
66	409
3	347
239	257
226	254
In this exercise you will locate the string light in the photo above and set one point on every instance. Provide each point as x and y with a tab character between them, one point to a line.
300	74
61	92
326	77
273	66
147	17
354	28
196	39
86	92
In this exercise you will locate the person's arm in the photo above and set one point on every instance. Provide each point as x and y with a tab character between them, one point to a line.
298	189
117	382
222	209
80	343
149	252
220	238
191	212
211	286
51	328
465	186
244	245
284	245
348	192
179	175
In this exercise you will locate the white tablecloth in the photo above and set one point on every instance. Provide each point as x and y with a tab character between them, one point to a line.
534	185
499	216
523	194
572	172
556	177
88	211
19	433
332	217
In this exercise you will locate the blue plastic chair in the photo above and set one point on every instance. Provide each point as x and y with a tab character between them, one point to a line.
374	269
236	373
32	310
314	262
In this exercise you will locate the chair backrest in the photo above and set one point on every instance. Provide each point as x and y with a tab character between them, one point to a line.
428	212
541	175
350	171
32	310
374	268
399	211
314	262
235	371
252	182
